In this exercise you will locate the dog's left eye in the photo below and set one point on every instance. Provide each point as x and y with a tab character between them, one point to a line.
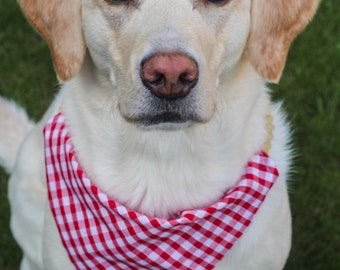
117	2
218	2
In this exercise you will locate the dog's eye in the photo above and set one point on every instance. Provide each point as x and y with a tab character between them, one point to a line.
117	2
217	2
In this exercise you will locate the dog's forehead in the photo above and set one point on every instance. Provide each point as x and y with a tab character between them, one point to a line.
149	26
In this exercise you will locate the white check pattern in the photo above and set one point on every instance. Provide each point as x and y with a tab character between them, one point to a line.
100	233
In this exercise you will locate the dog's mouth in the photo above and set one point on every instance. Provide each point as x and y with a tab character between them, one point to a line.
163	118
155	112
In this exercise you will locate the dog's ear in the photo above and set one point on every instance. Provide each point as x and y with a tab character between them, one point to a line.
274	25
59	22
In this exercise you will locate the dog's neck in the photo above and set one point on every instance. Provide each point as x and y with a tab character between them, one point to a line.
159	172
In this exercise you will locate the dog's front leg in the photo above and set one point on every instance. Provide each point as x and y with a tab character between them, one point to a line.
54	253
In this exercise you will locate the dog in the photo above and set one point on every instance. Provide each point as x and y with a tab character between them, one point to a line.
162	105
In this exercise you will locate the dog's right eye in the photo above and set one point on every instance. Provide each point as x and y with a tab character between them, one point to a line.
218	2
117	2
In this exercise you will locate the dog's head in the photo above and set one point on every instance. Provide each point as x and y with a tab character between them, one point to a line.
166	59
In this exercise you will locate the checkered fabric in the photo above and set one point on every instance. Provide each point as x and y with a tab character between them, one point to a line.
100	233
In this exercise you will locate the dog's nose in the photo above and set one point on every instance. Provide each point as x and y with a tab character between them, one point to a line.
171	75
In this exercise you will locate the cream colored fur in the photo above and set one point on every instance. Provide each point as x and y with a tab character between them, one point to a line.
15	125
161	169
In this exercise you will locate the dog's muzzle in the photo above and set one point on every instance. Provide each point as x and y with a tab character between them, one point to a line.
170	79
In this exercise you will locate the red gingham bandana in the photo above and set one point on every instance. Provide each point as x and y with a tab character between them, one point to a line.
100	233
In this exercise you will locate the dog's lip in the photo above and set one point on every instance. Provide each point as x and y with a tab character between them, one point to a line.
158	112
164	119
160	118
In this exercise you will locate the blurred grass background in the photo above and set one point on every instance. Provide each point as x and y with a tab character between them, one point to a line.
310	88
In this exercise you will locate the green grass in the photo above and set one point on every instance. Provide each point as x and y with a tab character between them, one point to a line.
26	76
310	88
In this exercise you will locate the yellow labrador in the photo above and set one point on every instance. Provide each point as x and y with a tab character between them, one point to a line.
165	103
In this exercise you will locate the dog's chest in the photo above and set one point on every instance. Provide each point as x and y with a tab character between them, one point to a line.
97	230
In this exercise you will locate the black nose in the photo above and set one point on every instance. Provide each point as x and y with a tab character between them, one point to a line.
171	75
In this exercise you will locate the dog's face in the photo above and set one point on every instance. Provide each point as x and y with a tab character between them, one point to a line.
166	60
166	71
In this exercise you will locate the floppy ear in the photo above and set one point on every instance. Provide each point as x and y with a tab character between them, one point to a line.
59	22
274	25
